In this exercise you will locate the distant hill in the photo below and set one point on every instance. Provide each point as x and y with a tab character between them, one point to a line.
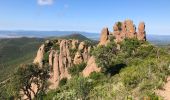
159	39
72	36
155	39
45	34
15	51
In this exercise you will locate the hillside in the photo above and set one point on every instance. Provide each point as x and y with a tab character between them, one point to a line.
16	51
123	66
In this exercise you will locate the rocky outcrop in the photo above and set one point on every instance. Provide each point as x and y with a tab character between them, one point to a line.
40	55
91	67
130	29
141	32
55	77
60	58
122	30
64	59
63	54
74	44
81	46
78	59
51	56
104	38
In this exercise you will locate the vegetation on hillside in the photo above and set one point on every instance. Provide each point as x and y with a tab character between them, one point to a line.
14	52
133	71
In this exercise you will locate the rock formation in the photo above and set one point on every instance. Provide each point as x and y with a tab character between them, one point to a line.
72	52
122	30
104	38
78	59
51	55
60	58
74	44
141	32
81	46
91	67
40	55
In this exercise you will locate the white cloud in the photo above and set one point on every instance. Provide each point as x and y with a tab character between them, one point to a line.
45	2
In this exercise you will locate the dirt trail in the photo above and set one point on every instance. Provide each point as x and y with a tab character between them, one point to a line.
165	92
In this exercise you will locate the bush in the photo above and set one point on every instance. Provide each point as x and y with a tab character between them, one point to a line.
76	69
63	82
72	52
130	45
82	87
56	47
46	58
119	25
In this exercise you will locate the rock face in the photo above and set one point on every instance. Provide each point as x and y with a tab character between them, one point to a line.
40	55
104	38
91	67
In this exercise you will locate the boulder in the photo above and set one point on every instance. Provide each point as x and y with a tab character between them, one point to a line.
91	67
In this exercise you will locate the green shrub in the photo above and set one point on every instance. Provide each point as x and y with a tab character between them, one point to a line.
96	76
119	25
76	69
48	46
82	87
72	52
130	46
56	47
63	82
46	58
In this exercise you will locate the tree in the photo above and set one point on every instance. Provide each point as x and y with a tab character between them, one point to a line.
105	55
29	75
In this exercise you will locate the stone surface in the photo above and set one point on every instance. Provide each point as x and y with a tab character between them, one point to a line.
141	32
74	44
104	38
130	29
91	67
51	56
81	46
78	59
40	55
127	29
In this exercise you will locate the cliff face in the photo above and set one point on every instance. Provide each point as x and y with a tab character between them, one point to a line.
63	54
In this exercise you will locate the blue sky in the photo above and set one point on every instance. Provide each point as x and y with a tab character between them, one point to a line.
83	15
